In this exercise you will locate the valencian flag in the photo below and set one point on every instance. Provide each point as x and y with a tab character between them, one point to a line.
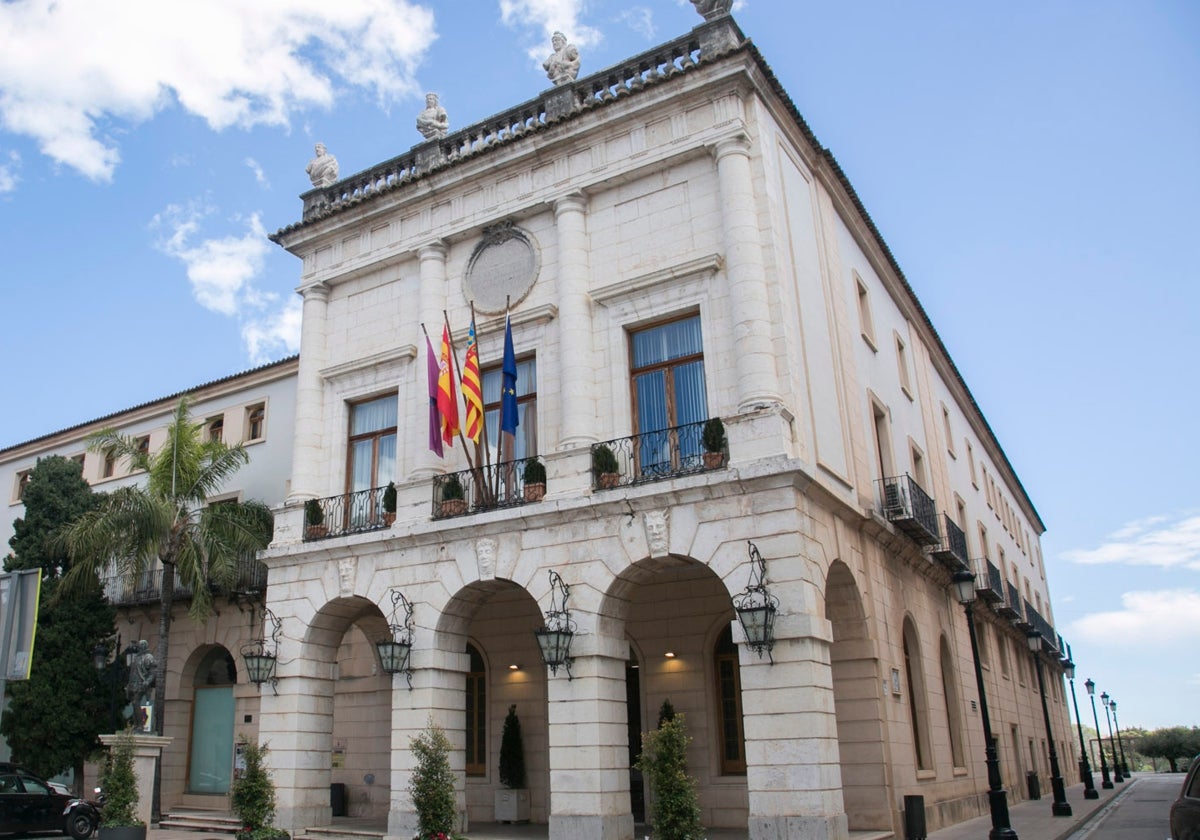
435	418
472	393
508	386
447	400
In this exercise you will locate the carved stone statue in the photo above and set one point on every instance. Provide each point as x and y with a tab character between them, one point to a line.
323	169
142	677
433	122
713	8
563	64
347	569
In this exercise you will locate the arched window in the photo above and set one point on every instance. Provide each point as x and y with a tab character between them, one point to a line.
953	706
917	709
729	704
476	715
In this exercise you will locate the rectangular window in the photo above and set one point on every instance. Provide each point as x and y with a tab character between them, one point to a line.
983	551
985	658
143	445
902	367
883	440
971	462
729	698
667	375
216	429
21	483
866	324
918	465
476	746
948	430
1002	650
256	427
110	466
525	444
372	444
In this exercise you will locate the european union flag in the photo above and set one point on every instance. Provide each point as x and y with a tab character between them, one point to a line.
508	386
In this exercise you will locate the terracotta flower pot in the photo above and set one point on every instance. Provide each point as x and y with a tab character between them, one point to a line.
316	532
453	507
389	519
534	492
608	481
713	460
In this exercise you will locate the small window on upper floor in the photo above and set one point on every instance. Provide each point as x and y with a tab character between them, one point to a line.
983	540
216	428
918	465
902	367
960	513
20	484
79	459
949	431
865	322
256	422
143	447
110	465
971	463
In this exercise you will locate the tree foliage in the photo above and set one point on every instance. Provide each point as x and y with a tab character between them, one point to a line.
119	783
54	718
1174	743
168	522
253	795
432	784
675	809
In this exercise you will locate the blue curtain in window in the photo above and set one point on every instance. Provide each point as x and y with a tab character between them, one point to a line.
657	346
526	438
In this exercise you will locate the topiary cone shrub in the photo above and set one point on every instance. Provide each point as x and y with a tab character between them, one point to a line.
118	782
512	752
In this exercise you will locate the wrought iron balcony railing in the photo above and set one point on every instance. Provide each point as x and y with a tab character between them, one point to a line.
909	508
347	513
123	591
488	487
654	456
1050	640
951	551
1010	607
988	582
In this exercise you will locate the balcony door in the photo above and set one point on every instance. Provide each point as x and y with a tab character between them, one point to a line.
372	456
667	372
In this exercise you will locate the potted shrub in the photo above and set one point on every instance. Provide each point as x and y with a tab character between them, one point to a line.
314	520
389	504
535	480
453	499
715	443
119	784
675	810
604	467
253	796
431	784
512	803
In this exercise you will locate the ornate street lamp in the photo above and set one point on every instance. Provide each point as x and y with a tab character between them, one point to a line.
756	607
395	651
1112	704
1112	742
554	637
1091	690
1061	807
262	654
964	584
1085	768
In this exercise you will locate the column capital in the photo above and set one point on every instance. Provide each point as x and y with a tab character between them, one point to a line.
435	250
317	291
735	144
575	202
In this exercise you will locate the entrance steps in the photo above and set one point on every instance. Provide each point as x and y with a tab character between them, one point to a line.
217	822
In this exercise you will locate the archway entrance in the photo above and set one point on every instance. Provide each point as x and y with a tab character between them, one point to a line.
210	746
856	704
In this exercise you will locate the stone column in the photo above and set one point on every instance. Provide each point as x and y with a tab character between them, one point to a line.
431	303
589	747
437	695
307	449
298	726
578	403
794	783
757	380
147	753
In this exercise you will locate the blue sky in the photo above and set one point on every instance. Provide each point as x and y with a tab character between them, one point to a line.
1034	167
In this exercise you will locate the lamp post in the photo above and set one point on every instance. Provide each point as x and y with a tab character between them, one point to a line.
1061	807
1112	704
1085	768
1091	690
964	583
1112	742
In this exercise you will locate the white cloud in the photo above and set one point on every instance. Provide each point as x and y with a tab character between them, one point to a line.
259	175
1154	541
549	16
70	68
8	172
276	334
640	19
1146	618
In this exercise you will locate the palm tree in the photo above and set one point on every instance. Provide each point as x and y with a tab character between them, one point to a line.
167	521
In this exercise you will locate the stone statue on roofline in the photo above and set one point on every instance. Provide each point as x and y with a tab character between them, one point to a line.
562	67
713	8
433	122
323	169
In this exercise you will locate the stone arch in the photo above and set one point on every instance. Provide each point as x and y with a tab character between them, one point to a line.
854	663
208	679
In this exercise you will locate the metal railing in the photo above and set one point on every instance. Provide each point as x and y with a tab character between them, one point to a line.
347	513
655	456
988	582
952	550
910	508
1050	640
146	588
484	488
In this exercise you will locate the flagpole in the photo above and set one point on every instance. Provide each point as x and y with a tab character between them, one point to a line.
435	433
486	451
479	477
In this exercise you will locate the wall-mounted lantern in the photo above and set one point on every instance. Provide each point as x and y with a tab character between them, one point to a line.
756	607
554	638
395	651
262	654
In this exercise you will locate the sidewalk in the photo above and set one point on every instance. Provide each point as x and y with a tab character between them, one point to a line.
1032	819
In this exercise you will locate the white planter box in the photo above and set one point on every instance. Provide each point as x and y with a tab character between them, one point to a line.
512	805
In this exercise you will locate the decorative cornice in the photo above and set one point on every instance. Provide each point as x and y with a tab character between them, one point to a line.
709	264
404	353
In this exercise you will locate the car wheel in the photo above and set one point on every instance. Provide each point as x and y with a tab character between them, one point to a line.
80	826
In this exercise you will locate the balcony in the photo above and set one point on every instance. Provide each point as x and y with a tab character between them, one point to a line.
910	509
654	456
1050	640
348	513
122	591
988	582
952	550
489	487
1010	607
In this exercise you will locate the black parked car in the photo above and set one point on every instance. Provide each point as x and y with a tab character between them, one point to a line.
1185	812
28	804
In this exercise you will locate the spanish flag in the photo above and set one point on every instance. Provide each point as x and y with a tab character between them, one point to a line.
447	400
472	393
